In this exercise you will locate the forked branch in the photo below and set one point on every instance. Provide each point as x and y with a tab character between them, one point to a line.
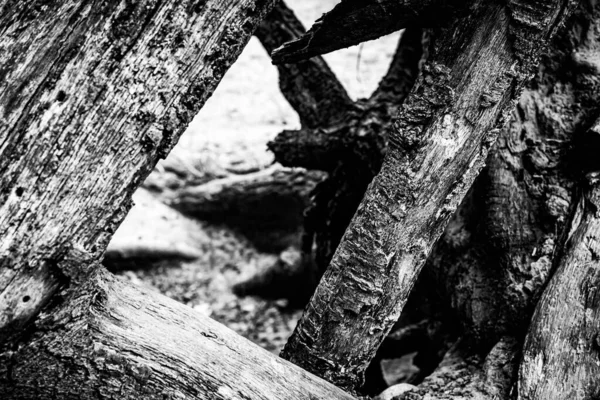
310	87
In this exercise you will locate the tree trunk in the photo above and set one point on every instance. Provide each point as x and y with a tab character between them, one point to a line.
561	350
91	96
497	253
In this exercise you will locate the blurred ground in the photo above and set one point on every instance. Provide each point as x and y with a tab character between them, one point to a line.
231	131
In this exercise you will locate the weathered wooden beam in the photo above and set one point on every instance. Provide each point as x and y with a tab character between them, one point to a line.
355	21
110	339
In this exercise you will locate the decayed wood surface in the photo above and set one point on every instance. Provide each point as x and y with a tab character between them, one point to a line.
310	87
560	356
352	22
444	130
112	340
561	351
91	96
498	250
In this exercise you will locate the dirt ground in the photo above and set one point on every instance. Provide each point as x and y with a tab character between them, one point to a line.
231	132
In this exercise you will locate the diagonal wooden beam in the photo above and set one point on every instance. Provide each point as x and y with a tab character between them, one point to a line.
355	21
91	97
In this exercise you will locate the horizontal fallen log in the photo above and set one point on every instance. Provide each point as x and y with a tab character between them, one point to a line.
265	206
111	339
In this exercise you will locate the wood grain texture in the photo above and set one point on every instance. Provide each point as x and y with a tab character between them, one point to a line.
91	96
109	339
560	357
443	133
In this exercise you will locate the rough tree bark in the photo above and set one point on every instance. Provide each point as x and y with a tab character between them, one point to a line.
444	130
85	327
497	253
560	358
498	250
350	149
561	351
91	96
346	139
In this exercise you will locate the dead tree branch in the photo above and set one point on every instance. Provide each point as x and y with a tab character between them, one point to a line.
310	87
355	21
